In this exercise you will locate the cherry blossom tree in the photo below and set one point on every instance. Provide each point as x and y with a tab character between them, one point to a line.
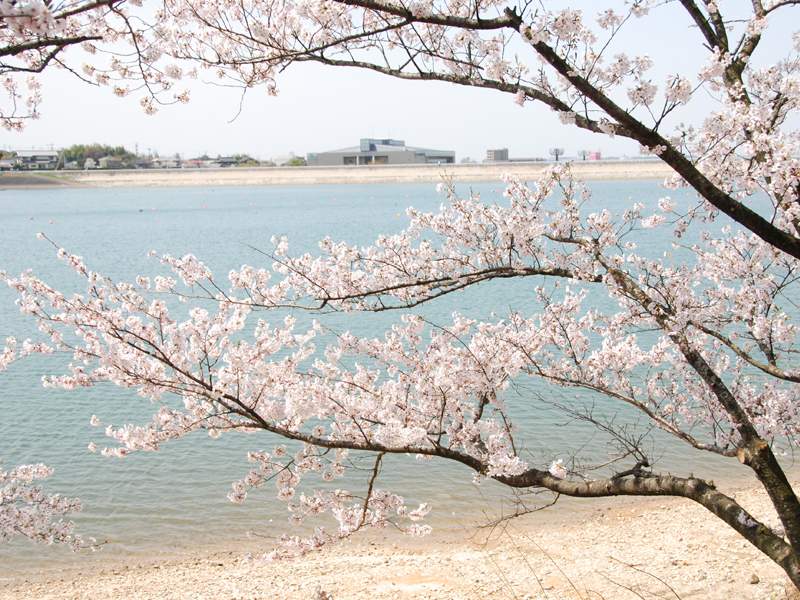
35	35
25	510
699	343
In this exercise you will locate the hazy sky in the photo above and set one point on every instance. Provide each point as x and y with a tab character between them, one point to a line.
323	108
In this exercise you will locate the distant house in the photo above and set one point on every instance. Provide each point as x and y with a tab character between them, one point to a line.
381	152
594	156
195	163
37	160
165	163
230	161
110	162
211	163
282	161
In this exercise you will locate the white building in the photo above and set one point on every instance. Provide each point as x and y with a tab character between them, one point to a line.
381	152
37	160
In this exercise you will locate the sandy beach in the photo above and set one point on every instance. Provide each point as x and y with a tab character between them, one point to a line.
619	548
329	175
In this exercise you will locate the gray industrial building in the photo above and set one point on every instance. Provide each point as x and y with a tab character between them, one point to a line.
381	152
497	155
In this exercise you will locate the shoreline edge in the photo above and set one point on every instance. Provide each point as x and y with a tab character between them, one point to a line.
344	175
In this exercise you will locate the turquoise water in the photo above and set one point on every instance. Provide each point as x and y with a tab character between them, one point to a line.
175	499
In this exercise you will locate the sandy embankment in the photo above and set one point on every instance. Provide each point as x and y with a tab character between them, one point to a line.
336	175
622	549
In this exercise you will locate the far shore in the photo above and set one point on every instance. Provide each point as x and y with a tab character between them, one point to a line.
589	170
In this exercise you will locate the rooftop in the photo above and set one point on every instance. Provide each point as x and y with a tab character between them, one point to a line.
381	145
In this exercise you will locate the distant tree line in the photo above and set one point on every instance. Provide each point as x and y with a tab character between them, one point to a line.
80	152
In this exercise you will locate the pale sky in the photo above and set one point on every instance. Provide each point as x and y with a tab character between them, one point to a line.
323	108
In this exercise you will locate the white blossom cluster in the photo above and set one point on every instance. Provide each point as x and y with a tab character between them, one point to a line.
25	510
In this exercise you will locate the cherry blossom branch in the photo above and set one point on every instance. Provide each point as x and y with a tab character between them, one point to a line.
770	369
702	23
26	511
649	138
59	43
529	92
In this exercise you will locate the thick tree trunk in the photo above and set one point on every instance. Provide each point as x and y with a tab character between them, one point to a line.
724	507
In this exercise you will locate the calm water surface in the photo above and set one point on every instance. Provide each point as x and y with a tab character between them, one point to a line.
175	499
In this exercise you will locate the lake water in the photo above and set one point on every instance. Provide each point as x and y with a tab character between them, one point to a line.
175	499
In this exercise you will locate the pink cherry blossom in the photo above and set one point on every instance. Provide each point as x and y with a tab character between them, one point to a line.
25	510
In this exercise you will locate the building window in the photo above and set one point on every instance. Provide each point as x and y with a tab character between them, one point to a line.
351	160
381	160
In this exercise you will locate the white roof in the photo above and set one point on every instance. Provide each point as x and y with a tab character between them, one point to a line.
32	153
387	148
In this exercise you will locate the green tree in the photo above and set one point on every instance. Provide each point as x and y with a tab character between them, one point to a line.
80	152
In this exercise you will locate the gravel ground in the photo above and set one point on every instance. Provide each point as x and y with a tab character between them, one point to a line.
621	549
